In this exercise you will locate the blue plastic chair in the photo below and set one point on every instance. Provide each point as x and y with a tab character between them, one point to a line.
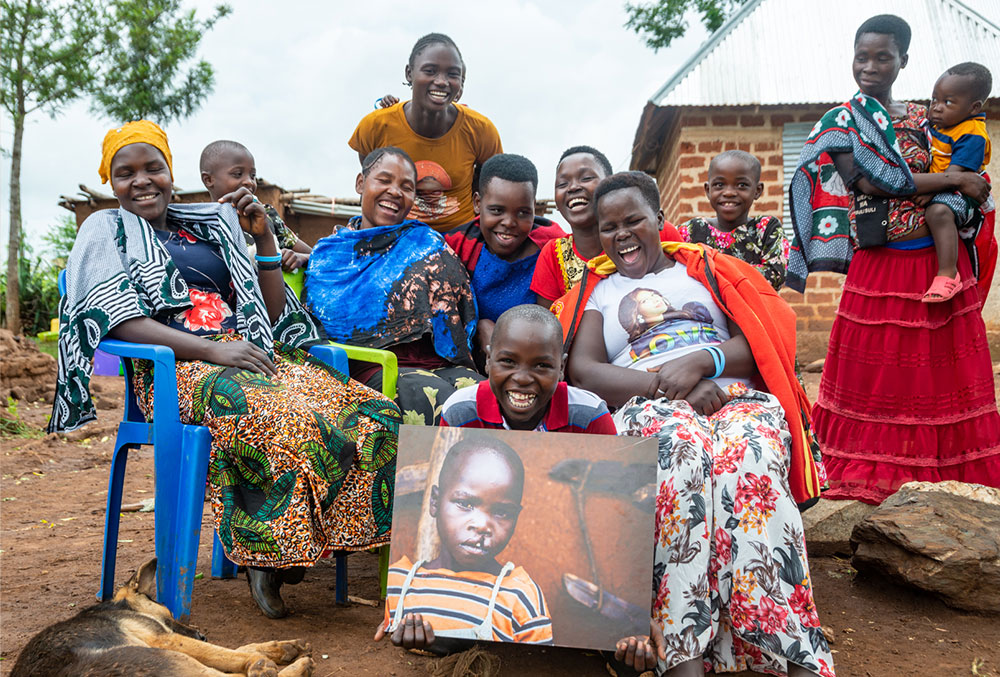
181	456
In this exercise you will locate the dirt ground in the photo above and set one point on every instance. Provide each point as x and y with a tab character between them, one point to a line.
53	491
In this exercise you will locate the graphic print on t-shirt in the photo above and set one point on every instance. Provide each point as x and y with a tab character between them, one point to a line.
654	326
432	202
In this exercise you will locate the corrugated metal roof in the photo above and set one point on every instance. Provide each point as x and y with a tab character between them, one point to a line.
799	51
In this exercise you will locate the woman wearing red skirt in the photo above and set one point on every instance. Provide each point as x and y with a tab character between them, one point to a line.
907	390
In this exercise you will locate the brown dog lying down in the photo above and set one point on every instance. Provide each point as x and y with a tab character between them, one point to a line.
134	636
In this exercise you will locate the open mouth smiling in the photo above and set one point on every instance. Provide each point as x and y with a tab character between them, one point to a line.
438	95
577	203
629	253
522	401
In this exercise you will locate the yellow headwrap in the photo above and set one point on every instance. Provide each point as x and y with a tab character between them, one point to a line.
140	131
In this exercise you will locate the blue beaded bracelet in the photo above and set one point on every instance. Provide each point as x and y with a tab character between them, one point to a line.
268	259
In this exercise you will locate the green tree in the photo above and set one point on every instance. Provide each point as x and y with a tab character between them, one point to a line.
147	45
661	21
46	50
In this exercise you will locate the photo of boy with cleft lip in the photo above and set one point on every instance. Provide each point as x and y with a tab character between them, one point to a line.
465	593
523	535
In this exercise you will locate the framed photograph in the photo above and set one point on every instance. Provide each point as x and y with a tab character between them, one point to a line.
531	537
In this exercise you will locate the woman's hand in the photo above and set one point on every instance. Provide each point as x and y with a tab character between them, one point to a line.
242	354
974	186
293	260
675	379
253	218
706	398
413	633
640	652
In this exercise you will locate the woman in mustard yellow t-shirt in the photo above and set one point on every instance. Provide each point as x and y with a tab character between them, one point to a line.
448	142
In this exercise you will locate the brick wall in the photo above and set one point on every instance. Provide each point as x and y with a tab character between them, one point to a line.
701	133
698	134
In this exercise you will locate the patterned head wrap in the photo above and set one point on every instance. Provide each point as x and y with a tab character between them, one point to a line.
140	131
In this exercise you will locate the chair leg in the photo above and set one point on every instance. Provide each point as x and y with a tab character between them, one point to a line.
383	569
196	444
222	566
112	519
341	589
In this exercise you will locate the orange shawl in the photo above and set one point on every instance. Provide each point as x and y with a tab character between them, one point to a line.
767	322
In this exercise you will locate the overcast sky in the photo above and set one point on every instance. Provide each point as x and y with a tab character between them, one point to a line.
293	78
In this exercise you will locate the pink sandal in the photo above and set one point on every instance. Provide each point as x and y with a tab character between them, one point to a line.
942	289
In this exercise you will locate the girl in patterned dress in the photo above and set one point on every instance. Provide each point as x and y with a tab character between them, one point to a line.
731	579
303	459
733	186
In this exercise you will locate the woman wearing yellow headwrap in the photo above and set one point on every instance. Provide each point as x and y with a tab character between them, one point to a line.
303	459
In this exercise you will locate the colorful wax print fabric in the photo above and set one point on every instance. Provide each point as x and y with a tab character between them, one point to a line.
760	241
301	462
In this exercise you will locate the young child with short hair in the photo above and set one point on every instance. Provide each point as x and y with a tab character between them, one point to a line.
733	186
465	593
956	130
525	389
562	260
500	246
227	166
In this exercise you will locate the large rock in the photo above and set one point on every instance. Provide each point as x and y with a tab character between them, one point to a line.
943	538
828	525
26	373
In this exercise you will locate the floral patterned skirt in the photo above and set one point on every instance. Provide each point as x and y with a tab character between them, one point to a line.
301	463
730	579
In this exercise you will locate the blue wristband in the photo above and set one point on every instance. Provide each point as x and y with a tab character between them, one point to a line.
377	102
268	259
718	358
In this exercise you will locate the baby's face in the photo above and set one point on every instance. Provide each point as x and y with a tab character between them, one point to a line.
477	511
952	101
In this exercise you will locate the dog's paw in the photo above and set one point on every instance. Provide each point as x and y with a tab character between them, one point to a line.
262	667
303	667
288	650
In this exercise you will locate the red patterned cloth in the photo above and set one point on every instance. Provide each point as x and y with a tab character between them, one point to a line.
907	390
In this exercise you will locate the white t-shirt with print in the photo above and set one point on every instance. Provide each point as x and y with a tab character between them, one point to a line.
657	318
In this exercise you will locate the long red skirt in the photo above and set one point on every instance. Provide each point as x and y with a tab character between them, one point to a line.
907	388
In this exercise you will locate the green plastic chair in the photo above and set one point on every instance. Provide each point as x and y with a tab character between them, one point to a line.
390	376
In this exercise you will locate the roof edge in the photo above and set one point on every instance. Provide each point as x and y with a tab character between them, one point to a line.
973	13
705	48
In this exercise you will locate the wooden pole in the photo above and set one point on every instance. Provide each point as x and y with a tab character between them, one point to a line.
428	542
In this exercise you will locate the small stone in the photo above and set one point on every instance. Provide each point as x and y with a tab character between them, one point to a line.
814	367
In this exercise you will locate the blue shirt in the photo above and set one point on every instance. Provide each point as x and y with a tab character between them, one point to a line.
501	285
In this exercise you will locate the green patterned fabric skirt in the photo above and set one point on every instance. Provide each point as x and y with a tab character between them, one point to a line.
301	463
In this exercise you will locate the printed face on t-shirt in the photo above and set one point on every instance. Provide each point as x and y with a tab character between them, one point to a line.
432	202
653	325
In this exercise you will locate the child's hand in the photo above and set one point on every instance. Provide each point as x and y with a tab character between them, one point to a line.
387	100
293	260
922	200
639	653
413	633
707	398
253	218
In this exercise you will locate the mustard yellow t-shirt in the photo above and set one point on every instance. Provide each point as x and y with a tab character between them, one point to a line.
445	166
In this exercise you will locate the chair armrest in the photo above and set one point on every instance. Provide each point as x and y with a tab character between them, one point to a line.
164	374
333	356
385	358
